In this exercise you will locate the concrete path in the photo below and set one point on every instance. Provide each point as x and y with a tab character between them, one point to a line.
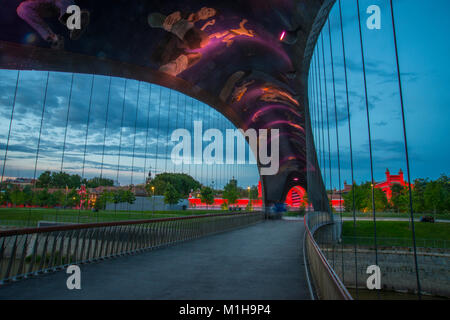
264	261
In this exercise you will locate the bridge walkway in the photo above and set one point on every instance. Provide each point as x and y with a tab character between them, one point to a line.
263	261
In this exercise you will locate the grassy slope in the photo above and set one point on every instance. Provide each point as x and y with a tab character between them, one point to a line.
390	229
24	216
442	216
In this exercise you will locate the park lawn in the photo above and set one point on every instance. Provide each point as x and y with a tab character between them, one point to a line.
439	216
398	229
30	217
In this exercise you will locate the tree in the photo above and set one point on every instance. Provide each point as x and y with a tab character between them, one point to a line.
43	198
183	183
72	199
17	197
28	195
399	199
60	179
363	198
128	197
418	194
102	200
254	192
56	198
435	197
99	182
4	197
44	180
171	195
207	196
75	181
231	192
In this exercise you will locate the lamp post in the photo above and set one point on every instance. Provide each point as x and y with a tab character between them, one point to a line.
153	191
248	205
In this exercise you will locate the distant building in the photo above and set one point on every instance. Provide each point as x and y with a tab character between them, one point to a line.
385	186
391	179
22	182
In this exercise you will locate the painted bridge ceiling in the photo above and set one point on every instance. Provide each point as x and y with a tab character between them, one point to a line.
228	54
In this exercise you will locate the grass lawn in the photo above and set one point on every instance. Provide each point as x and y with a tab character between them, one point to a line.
393	233
441	216
30	217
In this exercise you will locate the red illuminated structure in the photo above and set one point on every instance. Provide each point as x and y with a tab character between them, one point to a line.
195	201
391	180
295	196
385	186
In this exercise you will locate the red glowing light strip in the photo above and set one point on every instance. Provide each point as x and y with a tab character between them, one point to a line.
282	35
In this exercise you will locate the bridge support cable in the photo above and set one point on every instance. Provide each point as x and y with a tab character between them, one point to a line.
135	132
146	140
167	131
322	135
106	127
413	232
350	146
325	79
331	234
86	139
184	127
224	165
369	132
87	126
314	104
327	113
209	167
177	125
40	127
67	122
318	124
337	147
157	132
11	119
65	136
121	126
191	125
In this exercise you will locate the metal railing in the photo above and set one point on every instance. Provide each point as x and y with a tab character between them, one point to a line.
28	252
327	284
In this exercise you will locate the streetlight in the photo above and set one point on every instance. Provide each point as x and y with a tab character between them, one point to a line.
153	191
248	188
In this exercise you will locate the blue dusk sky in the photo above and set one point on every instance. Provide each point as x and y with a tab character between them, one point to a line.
131	128
422	33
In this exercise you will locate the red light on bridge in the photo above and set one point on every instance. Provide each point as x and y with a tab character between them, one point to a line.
283	34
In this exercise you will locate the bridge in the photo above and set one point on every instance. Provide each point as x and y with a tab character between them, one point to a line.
242	264
143	69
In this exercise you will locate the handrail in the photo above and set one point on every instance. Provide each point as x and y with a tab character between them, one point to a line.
28	252
14	232
327	276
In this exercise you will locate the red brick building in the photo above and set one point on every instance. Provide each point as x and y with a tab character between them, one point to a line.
391	179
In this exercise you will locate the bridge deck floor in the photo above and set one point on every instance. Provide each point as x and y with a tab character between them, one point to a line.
264	261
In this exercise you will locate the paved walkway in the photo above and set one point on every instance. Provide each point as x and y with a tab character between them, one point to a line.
264	261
